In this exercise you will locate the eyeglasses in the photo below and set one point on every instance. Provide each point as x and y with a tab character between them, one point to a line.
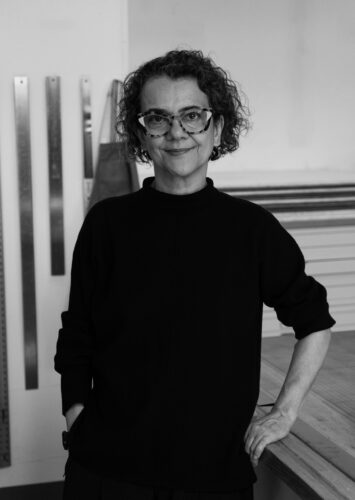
193	121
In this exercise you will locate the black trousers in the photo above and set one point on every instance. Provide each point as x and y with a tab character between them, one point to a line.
80	483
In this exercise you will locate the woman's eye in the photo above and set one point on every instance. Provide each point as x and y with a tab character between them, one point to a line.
192	116
155	119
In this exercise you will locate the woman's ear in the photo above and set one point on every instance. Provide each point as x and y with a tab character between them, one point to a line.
218	127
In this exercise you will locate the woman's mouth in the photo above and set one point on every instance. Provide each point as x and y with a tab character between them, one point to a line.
177	151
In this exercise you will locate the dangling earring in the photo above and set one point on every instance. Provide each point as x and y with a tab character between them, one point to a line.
145	154
216	153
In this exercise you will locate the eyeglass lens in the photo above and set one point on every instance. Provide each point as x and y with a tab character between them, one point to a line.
193	120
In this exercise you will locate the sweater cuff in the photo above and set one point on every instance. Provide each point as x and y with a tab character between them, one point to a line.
316	325
75	387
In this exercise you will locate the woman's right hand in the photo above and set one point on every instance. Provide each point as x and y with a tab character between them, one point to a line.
72	414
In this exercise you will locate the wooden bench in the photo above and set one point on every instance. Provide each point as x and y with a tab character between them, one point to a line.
317	459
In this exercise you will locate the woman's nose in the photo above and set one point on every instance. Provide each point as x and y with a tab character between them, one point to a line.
176	130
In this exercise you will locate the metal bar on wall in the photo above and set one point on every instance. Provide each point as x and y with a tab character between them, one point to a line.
115	91
55	175
5	458
87	139
22	123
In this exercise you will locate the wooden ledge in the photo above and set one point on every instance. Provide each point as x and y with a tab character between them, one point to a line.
317	459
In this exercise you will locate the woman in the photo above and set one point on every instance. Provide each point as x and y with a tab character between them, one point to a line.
165	307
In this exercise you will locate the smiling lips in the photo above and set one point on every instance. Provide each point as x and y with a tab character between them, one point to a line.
178	151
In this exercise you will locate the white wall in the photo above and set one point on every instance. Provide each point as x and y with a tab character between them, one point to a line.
294	60
39	38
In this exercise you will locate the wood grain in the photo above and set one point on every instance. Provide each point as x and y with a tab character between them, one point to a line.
317	459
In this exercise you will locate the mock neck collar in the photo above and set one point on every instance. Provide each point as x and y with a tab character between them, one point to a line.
199	197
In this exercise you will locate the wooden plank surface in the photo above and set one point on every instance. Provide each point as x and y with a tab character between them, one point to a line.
317	459
335	380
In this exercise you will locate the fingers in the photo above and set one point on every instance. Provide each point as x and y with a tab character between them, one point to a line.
253	437
257	447
262	432
253	431
251	427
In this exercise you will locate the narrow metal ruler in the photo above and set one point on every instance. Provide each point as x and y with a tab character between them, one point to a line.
87	139
22	124
54	133
115	96
5	459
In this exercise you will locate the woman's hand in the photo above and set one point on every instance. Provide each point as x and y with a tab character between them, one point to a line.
265	430
72	414
307	358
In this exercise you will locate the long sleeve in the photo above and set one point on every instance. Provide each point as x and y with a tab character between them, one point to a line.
298	299
165	319
74	346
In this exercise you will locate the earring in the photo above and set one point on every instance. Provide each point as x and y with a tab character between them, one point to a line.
216	153
145	154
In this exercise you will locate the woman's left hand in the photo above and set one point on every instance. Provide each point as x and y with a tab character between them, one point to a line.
265	430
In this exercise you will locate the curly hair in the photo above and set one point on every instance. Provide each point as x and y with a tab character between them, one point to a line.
223	94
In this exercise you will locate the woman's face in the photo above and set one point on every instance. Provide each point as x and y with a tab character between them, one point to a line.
178	154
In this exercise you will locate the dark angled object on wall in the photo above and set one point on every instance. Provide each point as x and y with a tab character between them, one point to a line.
115	174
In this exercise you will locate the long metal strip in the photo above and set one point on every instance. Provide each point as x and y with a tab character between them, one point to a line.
55	175
22	124
87	139
5	459
115	94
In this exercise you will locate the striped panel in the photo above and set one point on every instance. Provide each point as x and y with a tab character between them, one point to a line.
322	221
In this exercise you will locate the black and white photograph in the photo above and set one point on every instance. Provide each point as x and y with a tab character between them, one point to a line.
177	250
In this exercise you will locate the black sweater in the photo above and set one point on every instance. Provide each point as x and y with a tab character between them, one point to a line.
161	340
